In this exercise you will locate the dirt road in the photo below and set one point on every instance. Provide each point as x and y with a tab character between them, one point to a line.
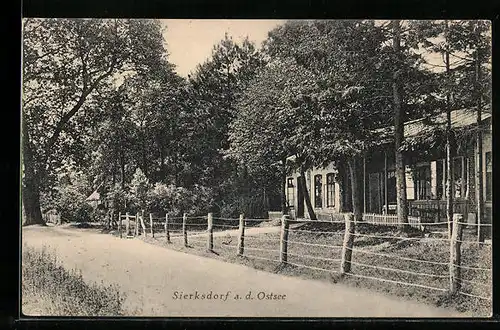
162	282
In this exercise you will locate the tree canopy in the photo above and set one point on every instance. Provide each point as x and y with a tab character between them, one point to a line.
100	96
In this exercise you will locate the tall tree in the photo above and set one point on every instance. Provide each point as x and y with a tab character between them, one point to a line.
449	136
216	86
350	99
480	42
402	205
65	63
459	42
272	123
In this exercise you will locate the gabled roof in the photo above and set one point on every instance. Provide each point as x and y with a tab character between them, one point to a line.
95	196
459	119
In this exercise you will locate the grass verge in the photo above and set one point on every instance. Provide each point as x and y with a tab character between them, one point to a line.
48	289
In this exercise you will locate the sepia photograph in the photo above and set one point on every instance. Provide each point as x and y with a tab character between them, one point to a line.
251	168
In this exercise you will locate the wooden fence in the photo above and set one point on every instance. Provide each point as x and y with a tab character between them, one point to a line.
200	232
391	220
435	210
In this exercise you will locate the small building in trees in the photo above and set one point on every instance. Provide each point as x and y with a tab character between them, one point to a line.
97	199
329	187
94	199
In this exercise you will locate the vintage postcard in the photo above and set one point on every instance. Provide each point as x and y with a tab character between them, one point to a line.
256	168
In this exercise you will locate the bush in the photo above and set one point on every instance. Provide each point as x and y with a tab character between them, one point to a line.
139	188
118	197
69	199
178	200
52	290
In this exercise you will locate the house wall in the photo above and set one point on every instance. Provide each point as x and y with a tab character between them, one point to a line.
437	184
310	176
487	148
376	167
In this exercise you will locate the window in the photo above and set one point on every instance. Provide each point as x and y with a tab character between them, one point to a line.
290	192
423	182
489	182
317	191
330	190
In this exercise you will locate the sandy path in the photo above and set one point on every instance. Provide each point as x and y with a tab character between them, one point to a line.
150	275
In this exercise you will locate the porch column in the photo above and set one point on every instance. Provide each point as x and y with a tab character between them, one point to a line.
385	184
364	183
445	175
464	164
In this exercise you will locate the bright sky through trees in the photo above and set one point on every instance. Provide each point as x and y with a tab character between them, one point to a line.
190	42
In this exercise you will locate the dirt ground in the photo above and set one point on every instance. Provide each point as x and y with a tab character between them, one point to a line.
161	282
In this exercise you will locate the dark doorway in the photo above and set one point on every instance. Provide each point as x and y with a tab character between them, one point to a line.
300	199
374	191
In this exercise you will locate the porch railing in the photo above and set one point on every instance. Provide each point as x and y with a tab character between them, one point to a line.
390	220
435	210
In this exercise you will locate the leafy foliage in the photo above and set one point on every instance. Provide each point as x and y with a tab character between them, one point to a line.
139	190
69	198
178	200
100	95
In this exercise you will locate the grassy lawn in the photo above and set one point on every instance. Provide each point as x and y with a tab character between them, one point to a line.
49	289
318	246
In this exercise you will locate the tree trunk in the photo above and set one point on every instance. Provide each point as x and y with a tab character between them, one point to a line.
284	209
449	176
449	153
31	186
355	189
341	182
114	173
402	206
305	192
479	155
122	163
144	152
174	165
162	166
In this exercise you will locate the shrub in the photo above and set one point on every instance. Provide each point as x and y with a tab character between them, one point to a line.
139	188
118	197
178	200
69	198
72	206
53	290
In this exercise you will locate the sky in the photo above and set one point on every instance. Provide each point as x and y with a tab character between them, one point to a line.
190	42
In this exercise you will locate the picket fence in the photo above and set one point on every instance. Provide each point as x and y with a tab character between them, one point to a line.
391	220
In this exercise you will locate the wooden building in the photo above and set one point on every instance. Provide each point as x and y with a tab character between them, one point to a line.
425	173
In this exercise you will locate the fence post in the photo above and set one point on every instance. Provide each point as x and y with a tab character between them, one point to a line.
167	232
284	239
137	224
109	225
151	224
143	224
120	223
184	232
241	240
127	224
455	253
345	264
210	229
